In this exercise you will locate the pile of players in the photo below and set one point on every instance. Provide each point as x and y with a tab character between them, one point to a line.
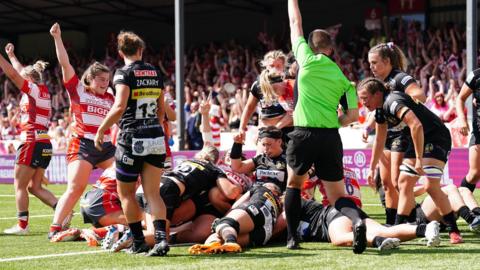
143	205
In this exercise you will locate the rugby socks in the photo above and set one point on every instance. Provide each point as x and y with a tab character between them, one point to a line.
476	211
465	184
412	218
451	222
349	209
391	214
293	205
160	230
377	241
466	214
400	219
420	230
23	219
137	232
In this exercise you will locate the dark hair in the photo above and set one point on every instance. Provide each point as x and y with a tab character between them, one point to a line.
129	43
372	85
320	39
392	52
270	132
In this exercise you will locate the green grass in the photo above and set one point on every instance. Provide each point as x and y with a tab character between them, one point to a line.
411	255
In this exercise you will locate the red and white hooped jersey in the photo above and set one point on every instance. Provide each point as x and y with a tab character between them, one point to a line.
239	179
352	188
107	181
35	109
88	110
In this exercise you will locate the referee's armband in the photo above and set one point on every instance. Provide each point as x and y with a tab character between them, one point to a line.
236	152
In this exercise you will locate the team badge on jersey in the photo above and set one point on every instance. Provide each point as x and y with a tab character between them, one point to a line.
138	147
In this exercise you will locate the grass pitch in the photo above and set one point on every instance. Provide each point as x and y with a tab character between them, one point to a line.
35	252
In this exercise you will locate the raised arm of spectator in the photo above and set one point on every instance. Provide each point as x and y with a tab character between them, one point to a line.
62	56
10	50
431	89
169	112
295	19
454	41
205	127
162	68
11	73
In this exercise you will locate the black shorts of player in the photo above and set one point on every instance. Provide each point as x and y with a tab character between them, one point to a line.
285	132
34	154
129	166
84	149
98	203
319	146
262	232
170	193
421	217
474	139
203	206
397	142
331	213
436	146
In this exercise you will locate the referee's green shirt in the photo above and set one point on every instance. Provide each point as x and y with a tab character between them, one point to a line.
321	84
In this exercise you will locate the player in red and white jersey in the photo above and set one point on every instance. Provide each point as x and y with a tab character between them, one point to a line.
89	104
352	187
35	152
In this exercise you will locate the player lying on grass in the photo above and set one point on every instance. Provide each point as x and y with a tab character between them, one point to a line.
251	221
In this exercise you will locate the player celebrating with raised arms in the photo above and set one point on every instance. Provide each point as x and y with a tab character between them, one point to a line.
35	151
89	102
139	106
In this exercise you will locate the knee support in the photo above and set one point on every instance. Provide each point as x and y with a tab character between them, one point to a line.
408	169
219	224
433	171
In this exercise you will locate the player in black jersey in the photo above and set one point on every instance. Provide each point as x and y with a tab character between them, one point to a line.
426	154
271	112
471	86
326	224
139	109
388	63
251	221
270	166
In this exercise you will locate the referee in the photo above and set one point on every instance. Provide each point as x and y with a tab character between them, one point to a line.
315	140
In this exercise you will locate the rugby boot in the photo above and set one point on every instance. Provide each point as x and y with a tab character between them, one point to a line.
359	237
160	249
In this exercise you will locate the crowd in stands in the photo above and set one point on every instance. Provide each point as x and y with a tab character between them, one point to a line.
436	58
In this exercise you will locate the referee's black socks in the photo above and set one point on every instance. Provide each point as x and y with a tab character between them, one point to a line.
349	209
160	230
293	205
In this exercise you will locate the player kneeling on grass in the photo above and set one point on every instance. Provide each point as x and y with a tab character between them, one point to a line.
100	207
326	224
251	221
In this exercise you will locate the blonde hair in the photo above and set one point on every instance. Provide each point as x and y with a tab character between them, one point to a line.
271	56
266	87
208	153
93	70
35	71
129	43
392	52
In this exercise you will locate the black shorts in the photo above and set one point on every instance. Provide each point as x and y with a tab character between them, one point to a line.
474	139
170	193
129	166
436	146
397	142
84	149
319	146
98	203
203	206
331	213
285	132
263	220
34	154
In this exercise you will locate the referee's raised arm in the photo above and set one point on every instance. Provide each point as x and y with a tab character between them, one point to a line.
295	19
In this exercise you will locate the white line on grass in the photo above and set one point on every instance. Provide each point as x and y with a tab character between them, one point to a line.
30	196
50	256
36	216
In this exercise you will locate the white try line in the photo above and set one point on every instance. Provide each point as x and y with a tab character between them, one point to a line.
30	196
50	256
